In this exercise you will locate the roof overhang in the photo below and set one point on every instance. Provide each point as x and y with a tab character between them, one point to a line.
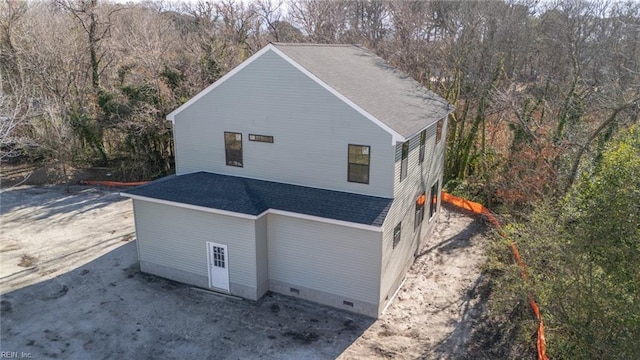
451	109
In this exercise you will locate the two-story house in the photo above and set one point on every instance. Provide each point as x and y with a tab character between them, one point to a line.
308	170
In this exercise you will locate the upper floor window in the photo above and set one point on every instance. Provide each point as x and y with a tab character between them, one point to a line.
423	142
433	205
439	131
359	158
261	138
404	162
233	148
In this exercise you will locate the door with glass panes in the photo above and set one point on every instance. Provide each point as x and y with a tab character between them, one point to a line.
218	262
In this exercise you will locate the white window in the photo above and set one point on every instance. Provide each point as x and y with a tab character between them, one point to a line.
233	148
359	158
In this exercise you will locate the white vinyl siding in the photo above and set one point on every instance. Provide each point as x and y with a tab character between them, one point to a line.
420	178
311	127
330	258
177	237
262	257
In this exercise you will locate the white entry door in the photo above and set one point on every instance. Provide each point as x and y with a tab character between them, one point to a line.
218	261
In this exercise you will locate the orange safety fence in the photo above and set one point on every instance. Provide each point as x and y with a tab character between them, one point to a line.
479	209
448	198
113	183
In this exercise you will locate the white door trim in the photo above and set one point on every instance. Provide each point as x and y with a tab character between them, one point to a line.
218	266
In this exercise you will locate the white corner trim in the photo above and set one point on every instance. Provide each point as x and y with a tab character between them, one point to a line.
190	207
255	217
395	136
393	296
172	115
323	220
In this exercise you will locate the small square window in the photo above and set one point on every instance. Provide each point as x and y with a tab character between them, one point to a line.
396	234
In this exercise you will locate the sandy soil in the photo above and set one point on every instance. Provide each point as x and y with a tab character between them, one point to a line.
70	288
439	304
46	231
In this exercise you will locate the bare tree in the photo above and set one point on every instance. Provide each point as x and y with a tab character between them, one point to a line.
96	26
272	15
321	21
238	25
13	115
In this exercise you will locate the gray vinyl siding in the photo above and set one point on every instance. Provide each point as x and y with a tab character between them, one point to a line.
325	257
311	128
420	178
176	237
262	257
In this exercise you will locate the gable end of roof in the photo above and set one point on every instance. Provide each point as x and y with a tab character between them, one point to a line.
396	137
172	115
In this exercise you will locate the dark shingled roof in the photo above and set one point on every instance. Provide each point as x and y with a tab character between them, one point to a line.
252	197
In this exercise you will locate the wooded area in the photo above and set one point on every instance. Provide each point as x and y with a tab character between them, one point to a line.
546	94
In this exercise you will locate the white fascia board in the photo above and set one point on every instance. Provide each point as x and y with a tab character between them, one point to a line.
190	207
323	220
254	217
252	58
395	136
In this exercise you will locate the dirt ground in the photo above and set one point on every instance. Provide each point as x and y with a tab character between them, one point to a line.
70	288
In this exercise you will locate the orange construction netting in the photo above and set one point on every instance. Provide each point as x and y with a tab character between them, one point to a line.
479	209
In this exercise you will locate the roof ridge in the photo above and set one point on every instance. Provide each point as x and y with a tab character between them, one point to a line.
317	45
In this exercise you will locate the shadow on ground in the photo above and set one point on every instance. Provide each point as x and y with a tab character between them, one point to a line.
457	241
108	309
458	344
487	336
471	304
62	203
477	333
